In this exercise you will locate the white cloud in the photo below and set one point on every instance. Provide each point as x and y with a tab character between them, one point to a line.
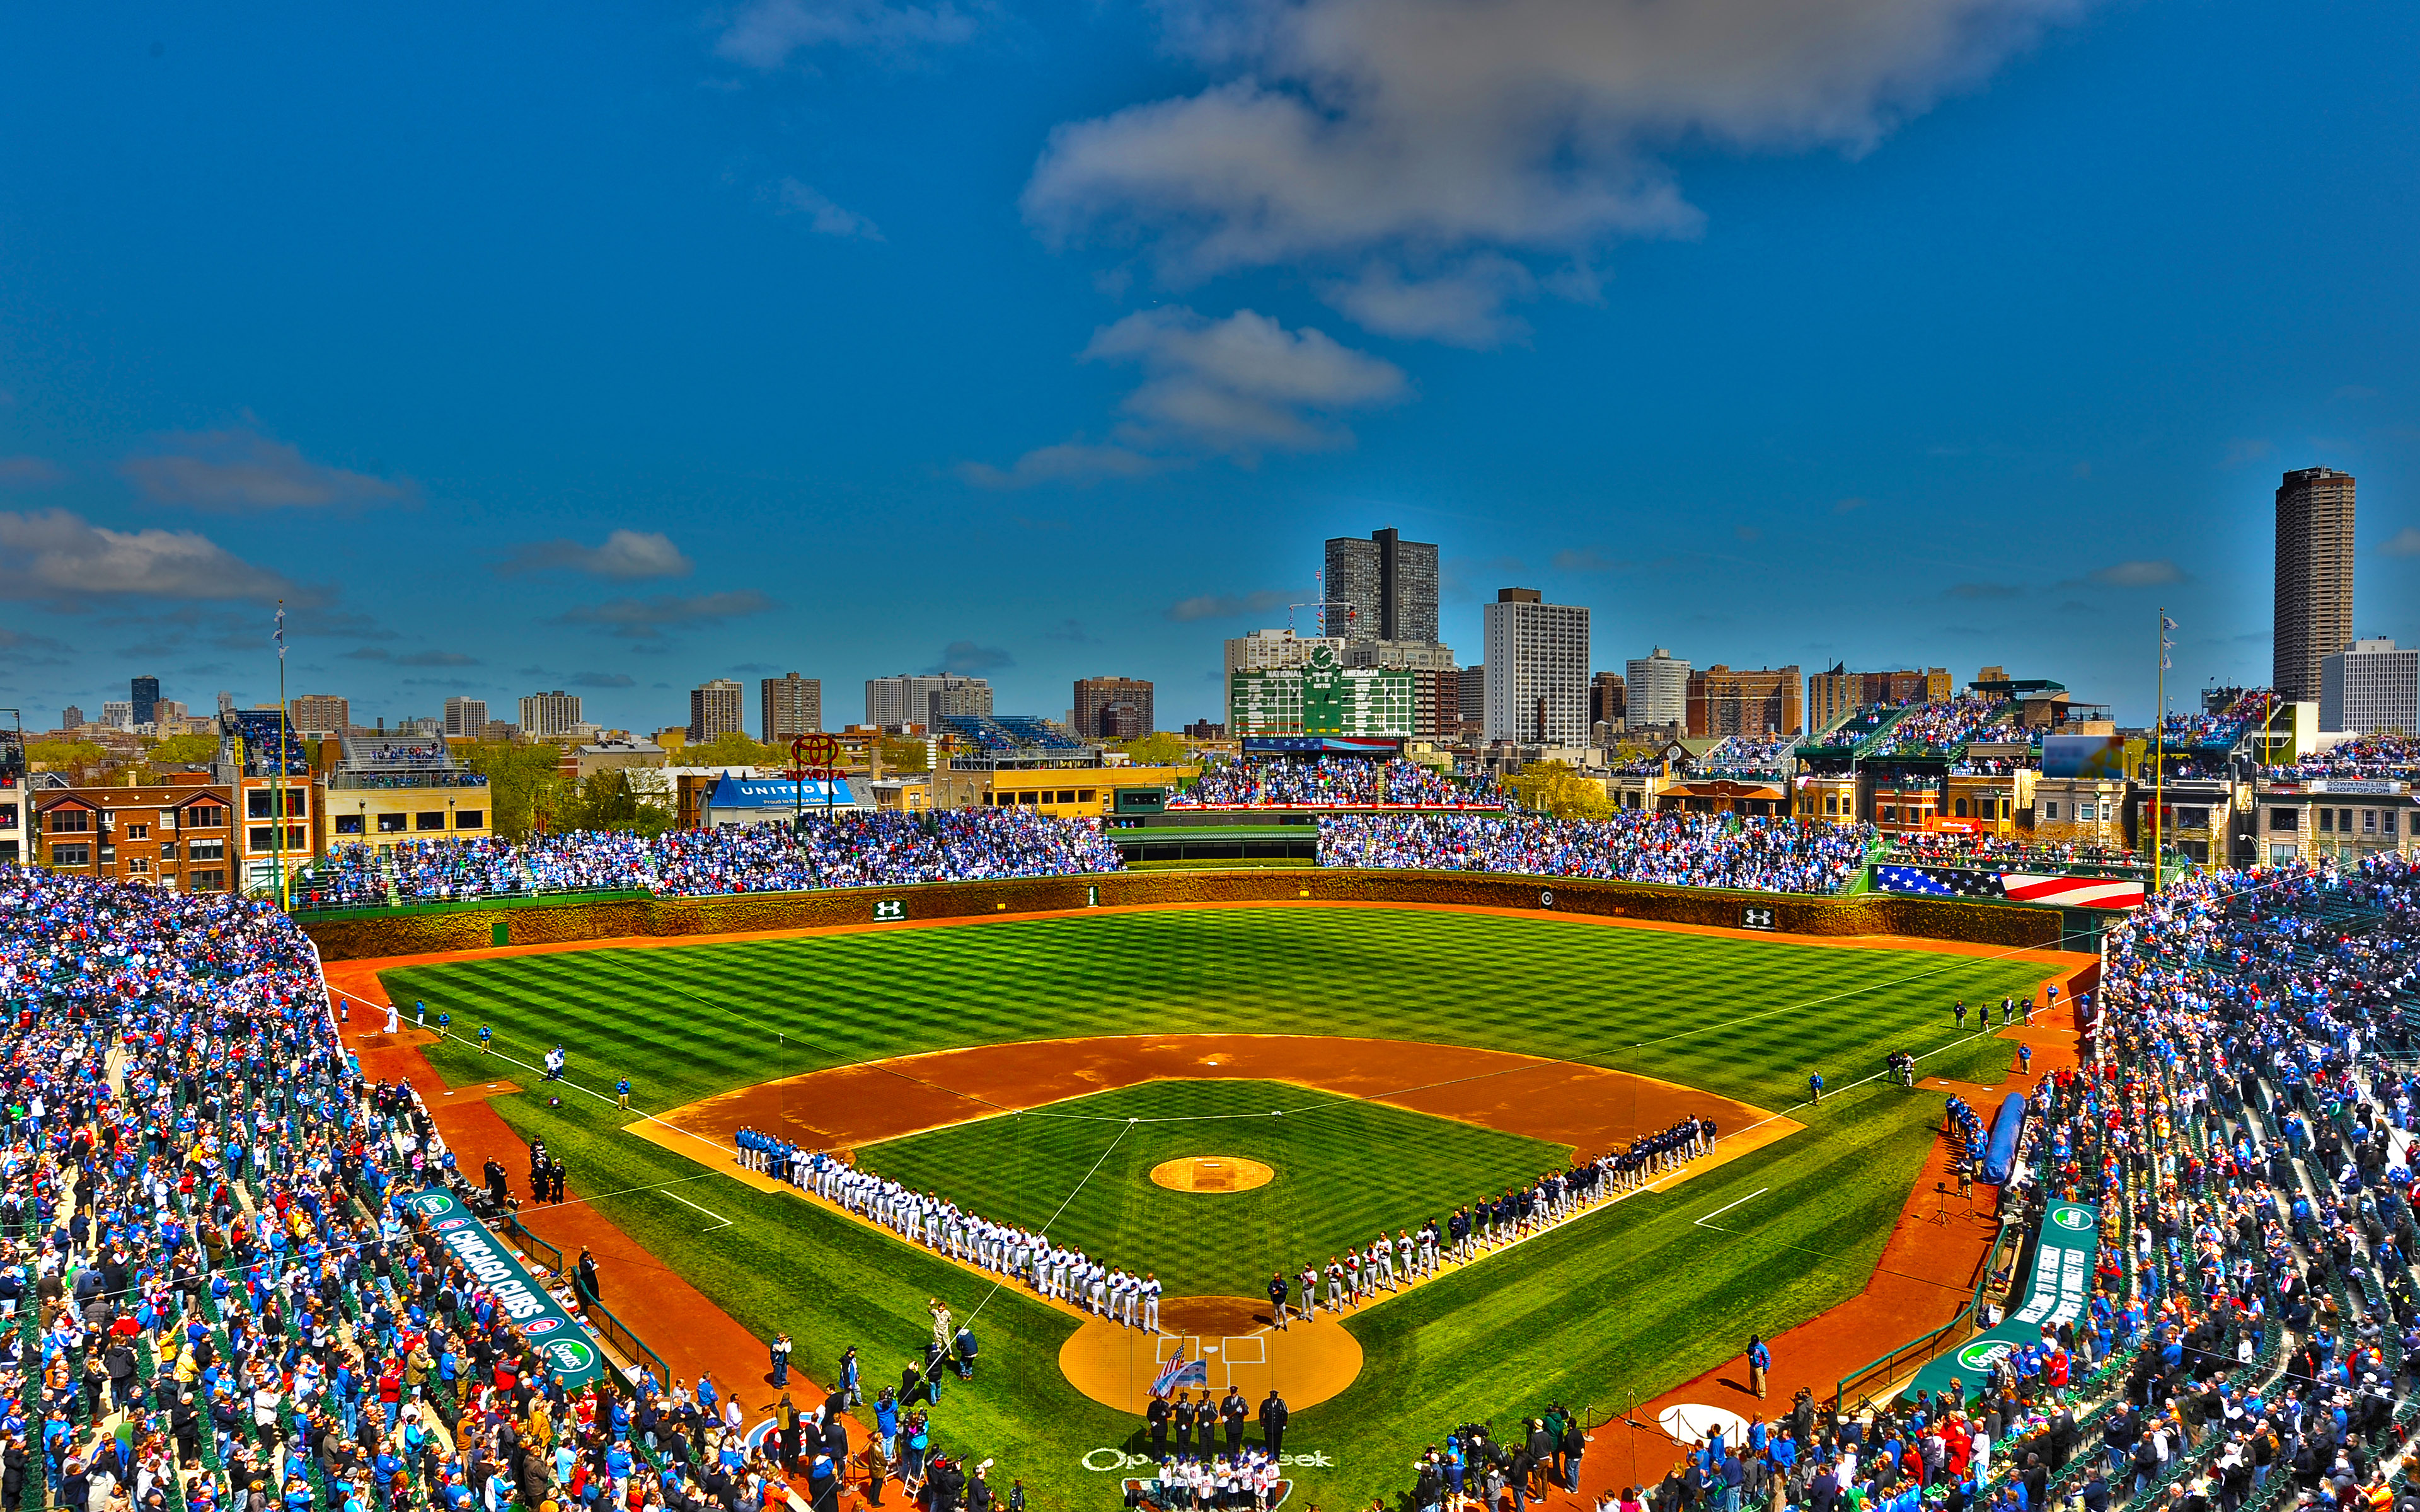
1241	385
28	473
2403	543
646	618
763	34
239	470
1226	606
1349	131
1078	462
1233	388
1463	307
61	557
791	197
2139	573
624	555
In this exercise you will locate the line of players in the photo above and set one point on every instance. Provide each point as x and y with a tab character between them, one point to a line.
1067	1275
1387	1265
939	1225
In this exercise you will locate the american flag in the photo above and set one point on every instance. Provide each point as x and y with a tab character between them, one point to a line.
1939	882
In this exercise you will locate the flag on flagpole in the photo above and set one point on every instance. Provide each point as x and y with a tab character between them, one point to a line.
280	637
1179	1373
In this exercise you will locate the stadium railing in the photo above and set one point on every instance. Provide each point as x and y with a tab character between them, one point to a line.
1901	1360
599	1318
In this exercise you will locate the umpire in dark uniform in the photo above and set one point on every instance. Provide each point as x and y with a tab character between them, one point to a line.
1278	1297
1272	1422
1234	1411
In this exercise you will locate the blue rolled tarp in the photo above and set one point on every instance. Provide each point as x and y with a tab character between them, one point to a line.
2002	1151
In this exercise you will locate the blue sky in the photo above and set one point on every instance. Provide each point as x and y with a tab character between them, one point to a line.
619	347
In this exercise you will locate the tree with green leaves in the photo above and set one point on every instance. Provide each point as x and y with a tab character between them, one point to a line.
524	785
606	800
734	749
1158	750
1559	788
900	754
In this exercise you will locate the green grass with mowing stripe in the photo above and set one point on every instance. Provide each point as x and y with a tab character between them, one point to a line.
1610	1310
1346	1170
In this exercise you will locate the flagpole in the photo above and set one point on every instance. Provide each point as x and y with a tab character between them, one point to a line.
277	774
2158	752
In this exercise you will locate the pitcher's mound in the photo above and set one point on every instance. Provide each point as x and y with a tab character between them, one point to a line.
1211	1173
1231	1339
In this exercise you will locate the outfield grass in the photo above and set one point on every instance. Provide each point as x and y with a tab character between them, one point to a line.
1744	1018
1346	1170
1605	1312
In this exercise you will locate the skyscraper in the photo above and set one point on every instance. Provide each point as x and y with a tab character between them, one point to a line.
319	714
2371	686
1537	669
146	694
545	716
1390	583
465	716
923	698
2314	617
714	710
789	707
1657	689
1734	700
1113	708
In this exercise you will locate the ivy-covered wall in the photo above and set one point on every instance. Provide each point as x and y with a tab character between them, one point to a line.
475	927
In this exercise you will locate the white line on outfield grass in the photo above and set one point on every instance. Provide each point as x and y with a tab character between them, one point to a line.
1727	1207
721	1222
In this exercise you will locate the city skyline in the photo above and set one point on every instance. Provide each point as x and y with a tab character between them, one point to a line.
1790	390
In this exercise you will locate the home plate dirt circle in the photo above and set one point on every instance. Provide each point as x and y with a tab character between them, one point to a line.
1231	1337
1211	1174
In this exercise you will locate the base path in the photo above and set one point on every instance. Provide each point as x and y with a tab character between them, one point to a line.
1589	1108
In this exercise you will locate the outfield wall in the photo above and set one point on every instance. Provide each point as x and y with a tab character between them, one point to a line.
477	926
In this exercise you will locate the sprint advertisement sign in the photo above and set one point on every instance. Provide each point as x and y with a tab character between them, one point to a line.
2064	1250
558	1337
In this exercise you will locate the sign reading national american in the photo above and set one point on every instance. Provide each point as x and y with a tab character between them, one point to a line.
560	1338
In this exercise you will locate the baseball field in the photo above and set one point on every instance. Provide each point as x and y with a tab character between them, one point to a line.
1387	1064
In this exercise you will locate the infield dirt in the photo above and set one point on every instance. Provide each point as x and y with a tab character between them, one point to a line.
1589	1108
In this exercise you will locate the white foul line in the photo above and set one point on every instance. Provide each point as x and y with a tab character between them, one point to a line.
722	1223
1702	1222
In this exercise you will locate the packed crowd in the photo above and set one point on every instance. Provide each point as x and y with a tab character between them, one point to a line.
2386	754
2252	1331
1748	755
1634	845
1943	726
2003	853
2218	728
853	850
218	1293
1351	780
1854	729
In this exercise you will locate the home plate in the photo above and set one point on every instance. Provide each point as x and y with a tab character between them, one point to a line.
1691	1423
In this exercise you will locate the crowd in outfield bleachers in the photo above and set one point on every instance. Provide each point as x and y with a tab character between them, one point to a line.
2386	754
217	1294
856	849
1944	725
2001	853
1634	845
1338	781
